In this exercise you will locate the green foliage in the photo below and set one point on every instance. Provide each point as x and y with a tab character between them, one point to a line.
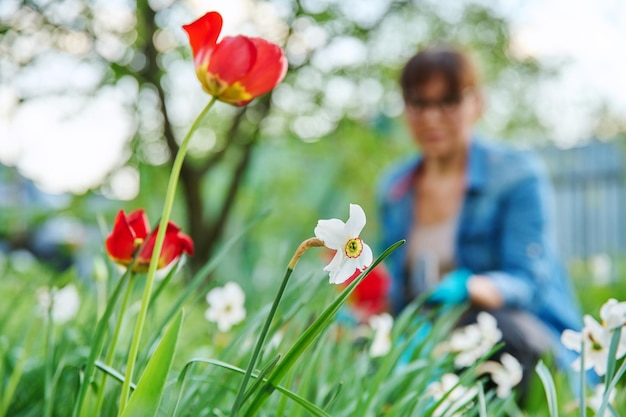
146	398
297	155
334	373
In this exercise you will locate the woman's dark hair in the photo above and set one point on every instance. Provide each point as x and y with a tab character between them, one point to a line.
452	63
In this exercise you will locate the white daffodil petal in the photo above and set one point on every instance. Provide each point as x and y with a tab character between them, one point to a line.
380	345
356	221
613	314
238	315
571	339
597	360
233	292
607	307
382	322
336	262
332	232
366	257
346	270
486	322
214	296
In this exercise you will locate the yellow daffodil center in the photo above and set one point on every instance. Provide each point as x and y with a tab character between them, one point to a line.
354	247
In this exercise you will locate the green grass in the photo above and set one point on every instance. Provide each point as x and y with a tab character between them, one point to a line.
335	374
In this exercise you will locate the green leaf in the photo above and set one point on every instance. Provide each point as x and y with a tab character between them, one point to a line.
548	385
307	405
147	397
117	375
16	374
482	402
96	345
611	386
611	358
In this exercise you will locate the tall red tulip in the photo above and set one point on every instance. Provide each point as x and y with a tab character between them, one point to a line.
132	232
236	69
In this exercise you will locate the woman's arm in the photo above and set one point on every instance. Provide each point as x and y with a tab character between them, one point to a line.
523	257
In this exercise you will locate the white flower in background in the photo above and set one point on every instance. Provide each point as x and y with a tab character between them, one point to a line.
506	374
595	401
457	401
381	342
226	306
596	345
613	314
601	268
352	253
65	303
472	342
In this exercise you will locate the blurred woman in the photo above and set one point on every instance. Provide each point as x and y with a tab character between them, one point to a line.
476	216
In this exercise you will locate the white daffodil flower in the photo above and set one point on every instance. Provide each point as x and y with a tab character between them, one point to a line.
457	401
472	342
381	342
65	303
613	314
596	339
351	253
226	306
506	374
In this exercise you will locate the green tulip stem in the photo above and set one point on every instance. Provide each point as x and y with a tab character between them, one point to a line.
158	246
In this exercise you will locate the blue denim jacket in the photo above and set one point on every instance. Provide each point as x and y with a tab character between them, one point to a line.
504	232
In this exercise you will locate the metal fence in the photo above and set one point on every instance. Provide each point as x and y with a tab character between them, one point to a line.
590	199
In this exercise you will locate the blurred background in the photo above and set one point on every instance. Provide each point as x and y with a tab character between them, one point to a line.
95	96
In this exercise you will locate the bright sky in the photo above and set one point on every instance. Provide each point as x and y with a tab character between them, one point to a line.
69	145
593	35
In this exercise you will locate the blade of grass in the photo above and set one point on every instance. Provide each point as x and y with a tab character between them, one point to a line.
113	343
16	375
611	361
332	396
261	376
259	345
605	398
482	404
583	383
548	385
307	405
117	375
49	364
96	345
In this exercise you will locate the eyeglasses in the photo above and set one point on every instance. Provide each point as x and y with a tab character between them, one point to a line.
446	105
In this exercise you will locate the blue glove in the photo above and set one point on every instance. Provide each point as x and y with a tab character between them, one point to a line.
452	289
417	341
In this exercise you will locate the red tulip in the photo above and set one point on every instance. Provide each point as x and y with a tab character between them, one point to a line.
370	296
236	69
129	235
